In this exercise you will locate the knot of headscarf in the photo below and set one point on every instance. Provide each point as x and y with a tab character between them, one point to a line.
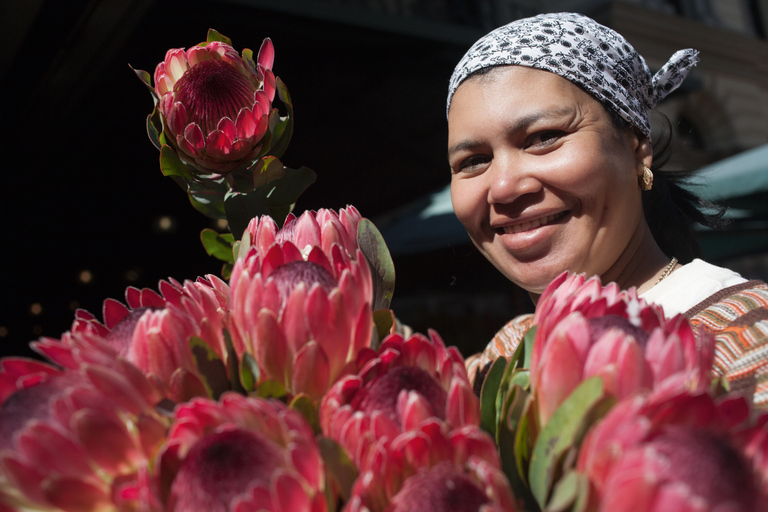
585	52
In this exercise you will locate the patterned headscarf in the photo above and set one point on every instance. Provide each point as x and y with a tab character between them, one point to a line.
588	54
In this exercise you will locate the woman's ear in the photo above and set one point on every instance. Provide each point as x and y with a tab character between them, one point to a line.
643	149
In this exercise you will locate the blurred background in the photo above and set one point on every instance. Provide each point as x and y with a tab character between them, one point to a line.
85	211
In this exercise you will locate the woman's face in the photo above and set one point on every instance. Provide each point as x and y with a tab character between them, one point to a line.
542	179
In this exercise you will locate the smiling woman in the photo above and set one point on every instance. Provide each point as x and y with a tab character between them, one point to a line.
551	155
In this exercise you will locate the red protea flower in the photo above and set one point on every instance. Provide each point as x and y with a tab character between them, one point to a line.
241	454
433	468
153	332
406	383
215	104
586	330
303	318
680	452
77	440
322	228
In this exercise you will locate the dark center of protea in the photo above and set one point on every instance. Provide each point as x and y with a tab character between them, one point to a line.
288	276
211	90
440	489
382	392
121	335
221	466
710	466
597	326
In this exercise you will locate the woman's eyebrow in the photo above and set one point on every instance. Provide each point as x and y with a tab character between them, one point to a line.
519	124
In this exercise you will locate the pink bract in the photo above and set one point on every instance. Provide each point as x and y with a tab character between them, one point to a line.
432	468
302	317
586	330
407	382
682	452
241	454
215	104
323	228
77	440
153	332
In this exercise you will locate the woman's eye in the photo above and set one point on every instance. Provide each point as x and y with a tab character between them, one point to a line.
546	137
472	163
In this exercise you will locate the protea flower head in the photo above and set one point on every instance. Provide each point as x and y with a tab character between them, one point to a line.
303	317
240	454
682	452
323	228
153	332
586	330
435	468
407	382
215	103
77	440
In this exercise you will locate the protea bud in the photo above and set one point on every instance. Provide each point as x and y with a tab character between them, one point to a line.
215	104
433	468
303	317
586	330
241	454
406	383
683	452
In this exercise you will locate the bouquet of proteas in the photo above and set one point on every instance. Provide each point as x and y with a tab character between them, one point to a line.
290	385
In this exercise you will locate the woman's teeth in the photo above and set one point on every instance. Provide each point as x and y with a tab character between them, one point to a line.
535	223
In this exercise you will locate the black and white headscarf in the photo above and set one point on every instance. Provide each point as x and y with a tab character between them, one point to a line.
583	51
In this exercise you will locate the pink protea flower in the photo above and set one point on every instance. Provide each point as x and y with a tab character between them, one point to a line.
407	382
681	452
153	332
215	104
433	468
241	454
77	440
322	228
586	330
302	317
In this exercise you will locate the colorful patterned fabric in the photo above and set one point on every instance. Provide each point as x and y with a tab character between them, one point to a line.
585	52
736	316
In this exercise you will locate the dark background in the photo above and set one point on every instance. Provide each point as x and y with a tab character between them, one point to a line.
81	186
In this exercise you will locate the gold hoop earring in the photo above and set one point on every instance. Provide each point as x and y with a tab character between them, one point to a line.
646	182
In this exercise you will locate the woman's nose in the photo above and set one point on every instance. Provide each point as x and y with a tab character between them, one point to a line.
509	180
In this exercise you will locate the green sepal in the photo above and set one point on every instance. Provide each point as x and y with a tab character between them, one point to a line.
308	409
563	432
171	165
226	271
281	128
271	389
247	55
489	413
249	372
383	322
146	79
241	247
218	245
571	493
380	261
153	120
215	35
210	366
512	429
527	343
232	365
241	208
340	468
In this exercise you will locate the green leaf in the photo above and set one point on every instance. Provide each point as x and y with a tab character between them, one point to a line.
382	267
146	79
383	320
271	389
563	431
207	196
307	408
267	170
247	54
513	459
340	467
214	35
171	165
570	493
488	412
286	190
241	208
249	372
218	245
152	132
282	131
232	365
528	339
210	366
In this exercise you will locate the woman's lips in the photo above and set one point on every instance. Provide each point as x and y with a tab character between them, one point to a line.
531	224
